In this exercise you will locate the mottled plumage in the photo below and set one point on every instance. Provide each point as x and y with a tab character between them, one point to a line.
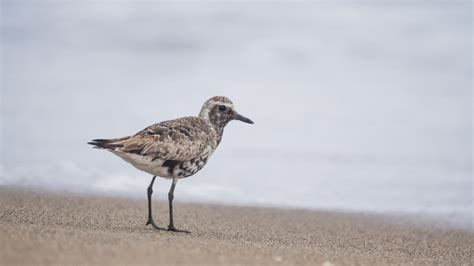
176	148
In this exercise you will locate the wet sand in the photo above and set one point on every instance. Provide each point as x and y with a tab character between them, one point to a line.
40	227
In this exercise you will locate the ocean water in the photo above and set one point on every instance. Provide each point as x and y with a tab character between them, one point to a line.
358	106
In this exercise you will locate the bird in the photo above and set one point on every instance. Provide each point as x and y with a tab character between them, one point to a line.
175	149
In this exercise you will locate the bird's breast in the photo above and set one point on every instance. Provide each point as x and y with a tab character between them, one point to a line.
187	168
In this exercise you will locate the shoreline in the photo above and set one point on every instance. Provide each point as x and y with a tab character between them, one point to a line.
421	219
55	227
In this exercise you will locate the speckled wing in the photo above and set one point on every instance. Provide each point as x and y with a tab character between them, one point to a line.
180	139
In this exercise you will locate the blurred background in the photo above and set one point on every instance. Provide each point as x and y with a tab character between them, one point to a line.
358	105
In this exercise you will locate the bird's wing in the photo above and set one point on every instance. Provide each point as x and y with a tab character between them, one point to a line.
180	139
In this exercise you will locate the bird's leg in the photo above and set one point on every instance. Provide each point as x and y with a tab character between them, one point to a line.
150	217
170	200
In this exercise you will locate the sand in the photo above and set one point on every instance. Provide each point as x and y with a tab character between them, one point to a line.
40	227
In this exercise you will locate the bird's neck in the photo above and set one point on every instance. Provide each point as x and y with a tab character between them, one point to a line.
219	132
216	128
216	132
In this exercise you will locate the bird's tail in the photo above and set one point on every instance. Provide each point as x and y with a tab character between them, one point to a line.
108	144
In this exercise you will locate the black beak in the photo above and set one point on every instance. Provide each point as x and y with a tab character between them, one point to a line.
242	118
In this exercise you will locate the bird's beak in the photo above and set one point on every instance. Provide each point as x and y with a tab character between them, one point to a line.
242	118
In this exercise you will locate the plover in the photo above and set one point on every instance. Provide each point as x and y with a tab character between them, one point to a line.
175	149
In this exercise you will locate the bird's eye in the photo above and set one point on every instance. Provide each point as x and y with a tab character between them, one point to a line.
222	108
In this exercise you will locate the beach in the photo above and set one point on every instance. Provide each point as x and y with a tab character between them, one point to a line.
352	109
44	227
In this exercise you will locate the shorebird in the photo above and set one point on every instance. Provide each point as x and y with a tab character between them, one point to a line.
175	149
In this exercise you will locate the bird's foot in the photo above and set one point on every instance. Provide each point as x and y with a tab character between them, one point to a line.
173	229
150	221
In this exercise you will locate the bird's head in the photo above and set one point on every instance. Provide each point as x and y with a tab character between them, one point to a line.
219	111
